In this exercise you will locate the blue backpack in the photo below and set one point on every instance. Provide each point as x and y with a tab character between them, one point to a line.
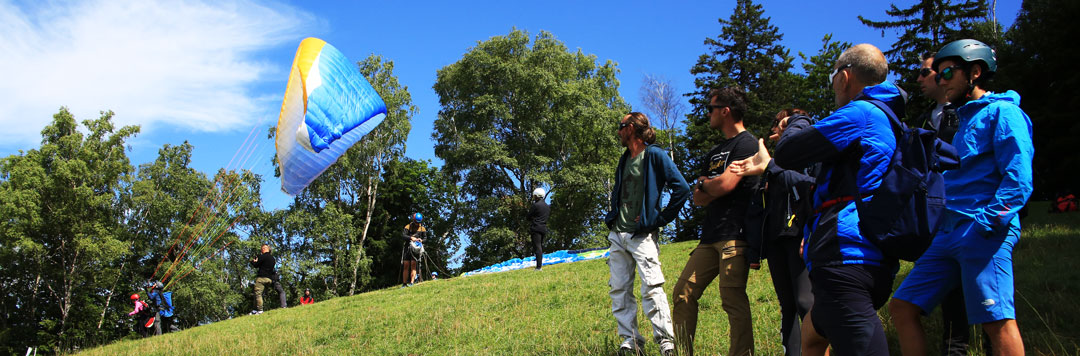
905	211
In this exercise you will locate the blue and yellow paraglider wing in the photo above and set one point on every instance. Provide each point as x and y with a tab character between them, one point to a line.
328	107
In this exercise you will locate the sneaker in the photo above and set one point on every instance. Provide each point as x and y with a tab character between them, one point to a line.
667	348
629	348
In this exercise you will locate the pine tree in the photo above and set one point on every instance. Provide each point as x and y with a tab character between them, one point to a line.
924	27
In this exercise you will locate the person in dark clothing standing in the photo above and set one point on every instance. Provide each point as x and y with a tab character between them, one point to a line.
538	216
266	275
722	251
774	229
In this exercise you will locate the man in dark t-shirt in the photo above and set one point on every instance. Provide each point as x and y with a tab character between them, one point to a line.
722	250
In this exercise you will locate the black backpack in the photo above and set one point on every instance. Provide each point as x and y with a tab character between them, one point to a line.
905	211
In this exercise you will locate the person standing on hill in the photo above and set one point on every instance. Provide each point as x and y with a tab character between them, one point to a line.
722	250
414	234
635	219
538	216
267	274
973	248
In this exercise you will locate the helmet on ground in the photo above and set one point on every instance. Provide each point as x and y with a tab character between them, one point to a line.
968	51
538	193
134	297
417	217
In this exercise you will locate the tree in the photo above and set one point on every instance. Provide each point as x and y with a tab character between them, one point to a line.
661	99
61	225
1041	39
924	27
515	117
746	54
816	97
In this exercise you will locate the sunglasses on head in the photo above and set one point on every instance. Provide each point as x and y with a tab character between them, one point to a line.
946	73
925	72
623	125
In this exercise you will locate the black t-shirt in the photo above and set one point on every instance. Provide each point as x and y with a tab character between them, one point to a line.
725	216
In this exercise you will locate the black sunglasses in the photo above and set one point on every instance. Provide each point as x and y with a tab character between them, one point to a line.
709	108
946	73
925	72
623	125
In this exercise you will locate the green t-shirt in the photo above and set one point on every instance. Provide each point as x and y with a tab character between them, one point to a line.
632	194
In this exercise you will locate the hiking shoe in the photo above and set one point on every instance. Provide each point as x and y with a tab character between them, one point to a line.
629	348
667	348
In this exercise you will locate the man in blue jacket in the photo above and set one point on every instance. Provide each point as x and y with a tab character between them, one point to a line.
851	277
973	247
635	219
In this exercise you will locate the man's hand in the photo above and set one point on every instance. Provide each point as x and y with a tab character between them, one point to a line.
753	166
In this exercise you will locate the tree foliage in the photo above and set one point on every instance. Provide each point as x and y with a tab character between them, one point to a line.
924	27
518	115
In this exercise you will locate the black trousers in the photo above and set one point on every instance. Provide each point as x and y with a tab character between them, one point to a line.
846	300
792	283
538	247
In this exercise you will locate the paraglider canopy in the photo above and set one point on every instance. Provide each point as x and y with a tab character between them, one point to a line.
328	107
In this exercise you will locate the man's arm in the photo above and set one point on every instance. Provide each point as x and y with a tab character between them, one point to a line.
1013	152
680	191
803	144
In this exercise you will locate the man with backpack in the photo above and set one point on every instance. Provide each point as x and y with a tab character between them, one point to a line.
973	248
163	307
851	275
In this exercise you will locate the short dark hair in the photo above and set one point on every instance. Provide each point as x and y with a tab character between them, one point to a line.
642	129
732	97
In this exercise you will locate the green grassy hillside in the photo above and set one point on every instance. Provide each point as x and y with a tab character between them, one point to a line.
565	310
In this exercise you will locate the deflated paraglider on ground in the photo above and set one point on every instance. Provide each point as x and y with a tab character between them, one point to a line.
328	107
561	256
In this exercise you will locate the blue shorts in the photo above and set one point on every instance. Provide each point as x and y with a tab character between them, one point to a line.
960	255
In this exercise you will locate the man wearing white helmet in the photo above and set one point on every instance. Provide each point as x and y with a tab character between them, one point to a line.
538	215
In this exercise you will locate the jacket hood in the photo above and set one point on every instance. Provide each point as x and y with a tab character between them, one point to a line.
1010	96
890	94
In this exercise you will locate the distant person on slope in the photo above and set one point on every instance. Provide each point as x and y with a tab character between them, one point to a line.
142	315
266	274
307	299
635	219
164	307
538	216
414	234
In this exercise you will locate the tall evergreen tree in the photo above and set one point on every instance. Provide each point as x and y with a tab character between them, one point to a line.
924	27
747	54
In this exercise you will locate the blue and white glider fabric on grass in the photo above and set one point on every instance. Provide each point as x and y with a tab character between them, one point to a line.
561	256
328	107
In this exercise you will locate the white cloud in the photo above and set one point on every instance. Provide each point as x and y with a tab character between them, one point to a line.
193	65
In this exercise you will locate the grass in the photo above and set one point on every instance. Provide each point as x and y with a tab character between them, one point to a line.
565	310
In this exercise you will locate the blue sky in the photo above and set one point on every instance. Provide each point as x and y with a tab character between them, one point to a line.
212	72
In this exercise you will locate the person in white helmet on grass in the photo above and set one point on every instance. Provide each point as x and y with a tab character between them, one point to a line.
538	216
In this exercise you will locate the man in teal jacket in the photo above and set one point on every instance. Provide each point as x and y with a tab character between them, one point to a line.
635	219
973	247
